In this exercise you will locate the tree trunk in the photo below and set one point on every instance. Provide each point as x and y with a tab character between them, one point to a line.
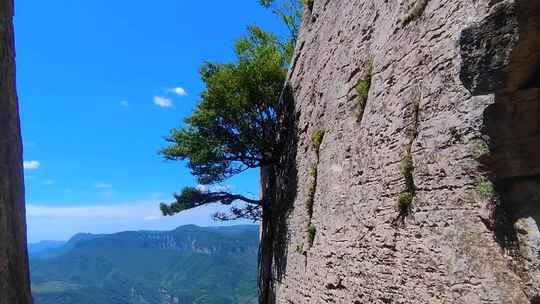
14	274
265	244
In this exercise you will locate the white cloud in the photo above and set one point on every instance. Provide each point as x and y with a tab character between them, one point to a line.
49	182
31	165
103	186
46	222
124	103
162	102
178	91
213	188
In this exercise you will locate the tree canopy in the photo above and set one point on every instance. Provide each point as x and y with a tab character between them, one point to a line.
233	127
289	12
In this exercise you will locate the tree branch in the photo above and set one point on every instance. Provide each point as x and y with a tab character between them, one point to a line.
249	212
191	197
227	198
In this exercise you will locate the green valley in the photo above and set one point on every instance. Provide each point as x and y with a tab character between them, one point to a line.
190	264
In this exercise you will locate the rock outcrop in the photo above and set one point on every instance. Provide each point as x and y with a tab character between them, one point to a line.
425	185
14	279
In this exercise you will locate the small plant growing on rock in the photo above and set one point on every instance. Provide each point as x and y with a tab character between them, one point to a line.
311	198
311	191
404	203
300	249
414	11
405	199
403	207
480	150
316	140
362	90
312	231
308	4
313	171
407	165
407	168
484	188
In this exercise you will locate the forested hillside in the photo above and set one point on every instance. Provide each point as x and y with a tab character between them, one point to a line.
187	265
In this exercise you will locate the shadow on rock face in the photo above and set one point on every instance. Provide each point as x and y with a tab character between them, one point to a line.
282	194
500	53
501	56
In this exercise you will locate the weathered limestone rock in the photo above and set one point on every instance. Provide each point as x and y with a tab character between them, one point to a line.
14	279
470	234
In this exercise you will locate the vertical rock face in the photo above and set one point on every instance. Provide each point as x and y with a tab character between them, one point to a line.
14	281
426	185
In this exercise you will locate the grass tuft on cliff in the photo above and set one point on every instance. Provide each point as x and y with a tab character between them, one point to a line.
312	231
311	198
414	11
308	4
480	150
362	90
404	203
316	140
407	168
484	188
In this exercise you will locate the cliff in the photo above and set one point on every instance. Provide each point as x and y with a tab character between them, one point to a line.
412	169
14	281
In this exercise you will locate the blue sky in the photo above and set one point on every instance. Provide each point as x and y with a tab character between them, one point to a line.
100	84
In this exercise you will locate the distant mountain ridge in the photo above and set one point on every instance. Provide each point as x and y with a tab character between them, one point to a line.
190	264
36	249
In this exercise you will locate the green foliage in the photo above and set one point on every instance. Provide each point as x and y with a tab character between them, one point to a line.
234	125
480	149
188	198
313	171
405	199
232	128
414	11
228	132
311	197
484	188
416	116
407	165
362	90
312	231
132	267
308	4
300	249
316	140
407	168
289	12
194	197
404	203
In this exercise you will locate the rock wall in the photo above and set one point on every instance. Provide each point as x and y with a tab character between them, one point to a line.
425	186
14	279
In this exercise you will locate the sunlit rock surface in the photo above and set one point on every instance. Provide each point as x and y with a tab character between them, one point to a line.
457	89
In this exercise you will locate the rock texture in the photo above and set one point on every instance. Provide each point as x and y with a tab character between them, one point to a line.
452	121
14	281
